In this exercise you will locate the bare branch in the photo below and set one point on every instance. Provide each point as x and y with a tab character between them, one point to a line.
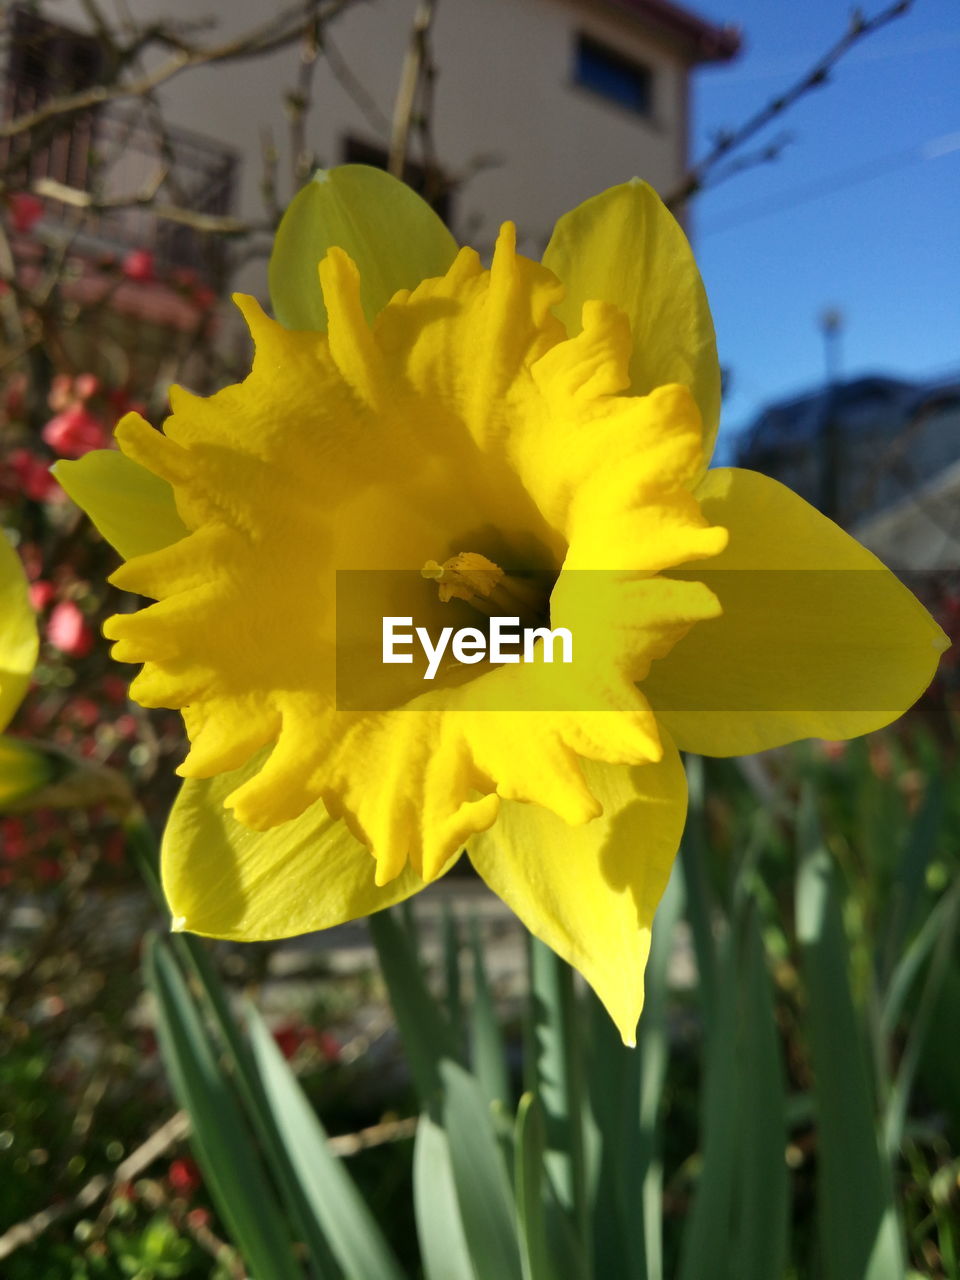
360	96
728	141
417	59
210	223
284	30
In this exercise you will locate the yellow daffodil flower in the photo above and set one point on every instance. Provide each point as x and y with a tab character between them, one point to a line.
428	438
37	775
22	769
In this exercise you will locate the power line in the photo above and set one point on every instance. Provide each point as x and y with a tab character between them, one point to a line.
932	149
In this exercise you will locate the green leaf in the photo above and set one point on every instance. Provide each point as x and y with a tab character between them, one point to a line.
528	1182
705	1248
393	236
480	1176
488	1051
451	970
426	1033
229	1159
443	1245
653	1051
555	1067
700	906
764	1184
614	1177
908	886
858	1228
355	1239
921	1023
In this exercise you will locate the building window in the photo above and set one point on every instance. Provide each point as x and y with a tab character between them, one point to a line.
613	76
428	182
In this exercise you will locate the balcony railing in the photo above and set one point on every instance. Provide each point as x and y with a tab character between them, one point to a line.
117	153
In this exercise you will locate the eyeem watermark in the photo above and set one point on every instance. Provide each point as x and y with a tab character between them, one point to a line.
506	641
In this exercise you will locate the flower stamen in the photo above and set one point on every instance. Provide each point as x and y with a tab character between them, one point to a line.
470	576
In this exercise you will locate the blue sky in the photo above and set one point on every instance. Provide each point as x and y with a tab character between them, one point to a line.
861	212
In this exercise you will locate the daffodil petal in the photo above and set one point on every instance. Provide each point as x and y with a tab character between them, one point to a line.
18	633
590	892
225	881
393	236
816	638
130	506
625	247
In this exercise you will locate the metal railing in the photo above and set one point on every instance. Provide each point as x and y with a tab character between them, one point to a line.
120	153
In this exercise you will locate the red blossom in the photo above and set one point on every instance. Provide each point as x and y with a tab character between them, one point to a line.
68	630
75	432
199	1219
42	594
288	1039
86	385
184	1176
83	712
138	265
26	210
32	475
203	298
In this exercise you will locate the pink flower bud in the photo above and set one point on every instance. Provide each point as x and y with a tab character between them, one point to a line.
138	265
68	630
86	385
75	432
42	594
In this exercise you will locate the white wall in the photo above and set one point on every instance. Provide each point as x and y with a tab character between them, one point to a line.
504	88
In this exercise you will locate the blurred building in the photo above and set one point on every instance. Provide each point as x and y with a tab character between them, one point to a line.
538	104
880	455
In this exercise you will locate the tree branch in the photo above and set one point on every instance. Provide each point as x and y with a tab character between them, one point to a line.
728	141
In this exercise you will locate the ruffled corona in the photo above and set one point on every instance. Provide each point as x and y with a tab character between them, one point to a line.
463	421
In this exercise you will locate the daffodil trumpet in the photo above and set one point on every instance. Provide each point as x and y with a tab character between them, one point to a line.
445	432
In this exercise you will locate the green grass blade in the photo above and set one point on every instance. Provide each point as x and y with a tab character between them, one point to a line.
908	886
193	956
858	1230
451	971
529	1190
614	1179
653	1052
443	1245
488	1051
425	1031
921	1022
355	1239
229	1158
705	1250
483	1185
764	1184
911	963
699	899
558	1071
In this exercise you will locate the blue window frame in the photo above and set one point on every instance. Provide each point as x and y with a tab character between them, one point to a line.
613	76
